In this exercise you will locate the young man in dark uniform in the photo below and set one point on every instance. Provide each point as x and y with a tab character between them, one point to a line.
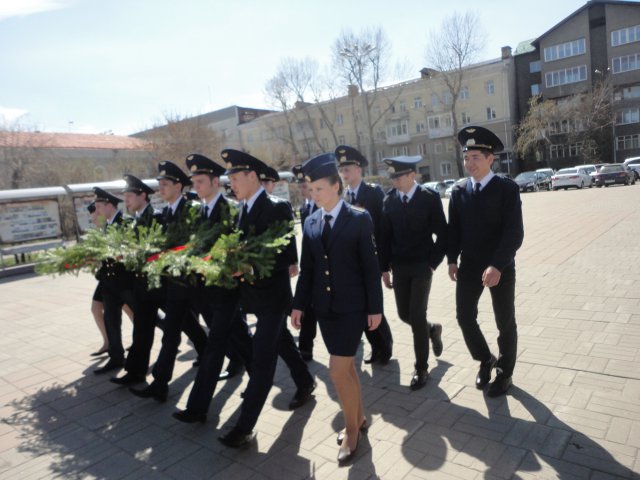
178	315
309	327
137	200
411	216
485	230
116	285
368	196
268	298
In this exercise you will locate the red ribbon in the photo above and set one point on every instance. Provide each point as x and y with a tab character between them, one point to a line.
156	256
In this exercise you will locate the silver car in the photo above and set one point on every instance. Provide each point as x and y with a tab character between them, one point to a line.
566	178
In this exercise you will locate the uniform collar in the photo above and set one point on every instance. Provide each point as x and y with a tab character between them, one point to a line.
253	198
486	179
410	193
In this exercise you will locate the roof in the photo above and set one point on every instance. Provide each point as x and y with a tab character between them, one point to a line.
589	4
525	46
70	141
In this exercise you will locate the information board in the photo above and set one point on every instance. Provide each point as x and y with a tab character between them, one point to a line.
25	221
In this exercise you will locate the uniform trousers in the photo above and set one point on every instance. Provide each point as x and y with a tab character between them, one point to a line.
227	331
469	288
411	286
179	317
113	298
271	338
380	339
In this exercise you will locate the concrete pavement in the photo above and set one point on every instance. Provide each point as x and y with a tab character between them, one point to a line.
574	412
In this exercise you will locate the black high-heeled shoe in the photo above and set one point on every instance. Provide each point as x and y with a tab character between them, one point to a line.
102	351
363	429
345	455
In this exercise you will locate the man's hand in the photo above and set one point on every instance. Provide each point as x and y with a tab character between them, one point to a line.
296	319
293	270
491	277
386	279
374	321
453	272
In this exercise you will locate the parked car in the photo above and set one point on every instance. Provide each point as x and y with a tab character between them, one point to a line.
634	164
455	182
505	175
529	181
574	177
591	171
615	173
548	171
544	180
439	187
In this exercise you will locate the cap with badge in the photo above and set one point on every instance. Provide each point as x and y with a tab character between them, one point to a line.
236	161
269	175
105	197
135	185
297	173
479	138
347	155
200	165
398	166
170	171
320	166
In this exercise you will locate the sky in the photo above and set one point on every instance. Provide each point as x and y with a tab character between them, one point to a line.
120	66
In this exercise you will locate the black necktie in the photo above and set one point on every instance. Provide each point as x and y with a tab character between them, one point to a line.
169	214
353	197
476	188
326	231
205	211
405	199
243	219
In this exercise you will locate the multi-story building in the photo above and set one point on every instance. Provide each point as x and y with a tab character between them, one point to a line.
598	43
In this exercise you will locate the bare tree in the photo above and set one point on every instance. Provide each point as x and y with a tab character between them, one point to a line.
583	120
362	62
451	48
21	161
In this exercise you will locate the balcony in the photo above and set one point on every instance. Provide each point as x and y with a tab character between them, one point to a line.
440	132
397	139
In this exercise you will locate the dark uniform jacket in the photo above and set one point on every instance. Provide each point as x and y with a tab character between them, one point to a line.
485	228
111	273
407	230
270	294
306	210
337	280
147	217
370	197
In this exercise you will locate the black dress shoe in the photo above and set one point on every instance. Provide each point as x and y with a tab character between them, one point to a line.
436	339
484	374
236	438
302	396
109	367
500	385
189	416
154	391
419	379
384	358
128	379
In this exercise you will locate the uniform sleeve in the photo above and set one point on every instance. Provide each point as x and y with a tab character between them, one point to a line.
513	229
302	296
453	231
289	255
439	229
370	266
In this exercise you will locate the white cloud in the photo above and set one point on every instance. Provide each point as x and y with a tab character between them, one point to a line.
10	115
13	8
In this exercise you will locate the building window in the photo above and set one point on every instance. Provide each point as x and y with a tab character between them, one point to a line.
339	119
628	115
626	63
627	142
445	169
397	129
627	93
562	151
625	35
434	122
379	156
489	87
322	125
422	149
380	135
341	140
402	106
447	98
534	66
464	93
437	147
397	151
434	100
535	89
568	75
450	147
491	113
564	50
420	127
417	102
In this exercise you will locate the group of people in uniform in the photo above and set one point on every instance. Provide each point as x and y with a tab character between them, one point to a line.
353	236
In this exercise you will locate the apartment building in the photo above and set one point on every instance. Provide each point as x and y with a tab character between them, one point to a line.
599	42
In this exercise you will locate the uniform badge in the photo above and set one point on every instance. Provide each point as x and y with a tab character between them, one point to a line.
194	168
